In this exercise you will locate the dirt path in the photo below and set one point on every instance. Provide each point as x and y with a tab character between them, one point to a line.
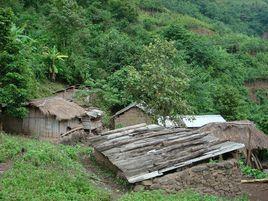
256	191
4	167
105	179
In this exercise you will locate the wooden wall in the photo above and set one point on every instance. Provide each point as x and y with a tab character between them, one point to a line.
132	117
36	124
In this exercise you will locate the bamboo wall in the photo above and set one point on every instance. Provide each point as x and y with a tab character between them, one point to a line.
38	125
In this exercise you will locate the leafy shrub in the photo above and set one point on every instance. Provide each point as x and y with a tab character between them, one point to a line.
249	171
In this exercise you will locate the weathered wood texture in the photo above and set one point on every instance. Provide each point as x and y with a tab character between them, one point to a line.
142	152
39	125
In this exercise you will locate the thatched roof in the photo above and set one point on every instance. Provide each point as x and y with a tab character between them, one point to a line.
58	107
145	151
239	131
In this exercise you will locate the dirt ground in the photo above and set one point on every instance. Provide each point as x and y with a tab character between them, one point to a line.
256	191
4	167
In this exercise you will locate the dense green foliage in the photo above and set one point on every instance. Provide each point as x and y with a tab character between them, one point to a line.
182	196
116	47
42	171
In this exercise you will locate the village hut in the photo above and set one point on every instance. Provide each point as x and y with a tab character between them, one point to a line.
131	115
242	132
91	125
170	159
92	120
47	118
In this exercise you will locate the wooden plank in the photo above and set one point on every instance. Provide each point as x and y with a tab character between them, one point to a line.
144	177
224	149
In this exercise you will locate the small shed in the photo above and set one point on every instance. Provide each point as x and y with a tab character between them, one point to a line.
143	151
92	120
131	115
47	118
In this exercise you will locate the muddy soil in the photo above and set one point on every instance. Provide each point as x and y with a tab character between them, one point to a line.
256	191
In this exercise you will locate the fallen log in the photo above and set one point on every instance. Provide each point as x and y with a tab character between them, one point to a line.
255	181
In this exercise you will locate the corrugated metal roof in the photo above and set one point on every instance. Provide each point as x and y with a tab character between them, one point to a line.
196	121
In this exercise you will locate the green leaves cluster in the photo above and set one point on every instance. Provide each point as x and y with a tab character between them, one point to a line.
160	80
251	172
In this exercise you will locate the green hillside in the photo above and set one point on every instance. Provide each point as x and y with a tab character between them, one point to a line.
43	171
177	56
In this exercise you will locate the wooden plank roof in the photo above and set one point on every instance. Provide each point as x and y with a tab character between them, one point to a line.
146	151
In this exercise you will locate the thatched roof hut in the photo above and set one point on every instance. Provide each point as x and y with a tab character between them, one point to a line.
58	107
239	131
47	118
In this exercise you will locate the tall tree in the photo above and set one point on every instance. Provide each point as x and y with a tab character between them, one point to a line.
161	81
15	76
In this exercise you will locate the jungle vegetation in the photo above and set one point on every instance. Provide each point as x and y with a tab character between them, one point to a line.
177	56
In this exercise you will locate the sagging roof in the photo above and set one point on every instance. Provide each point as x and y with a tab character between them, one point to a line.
145	151
239	131
58	107
132	105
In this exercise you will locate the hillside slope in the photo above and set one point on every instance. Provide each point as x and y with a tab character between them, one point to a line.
193	56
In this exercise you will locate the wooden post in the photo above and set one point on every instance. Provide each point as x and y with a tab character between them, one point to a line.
249	148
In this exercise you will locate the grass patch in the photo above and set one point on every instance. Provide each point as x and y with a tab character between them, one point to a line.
43	171
181	196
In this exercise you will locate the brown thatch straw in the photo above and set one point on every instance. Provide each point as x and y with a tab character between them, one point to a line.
58	107
239	131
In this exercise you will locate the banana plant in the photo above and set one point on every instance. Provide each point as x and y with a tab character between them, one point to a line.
17	34
53	55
